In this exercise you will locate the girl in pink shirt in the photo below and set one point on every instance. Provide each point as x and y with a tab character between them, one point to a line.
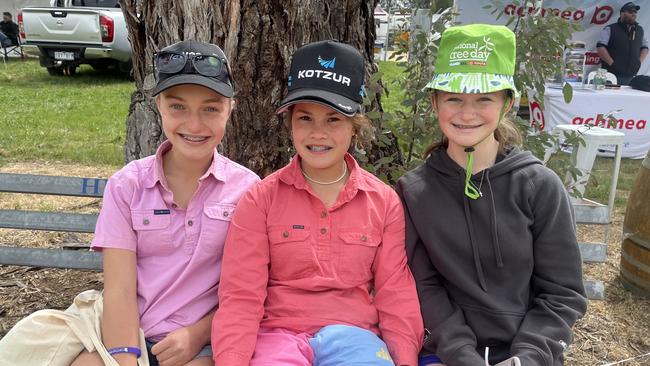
314	269
164	218
161	228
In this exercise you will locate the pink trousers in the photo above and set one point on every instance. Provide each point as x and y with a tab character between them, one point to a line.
277	346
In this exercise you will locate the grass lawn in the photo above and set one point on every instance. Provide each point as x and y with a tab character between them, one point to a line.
598	186
77	119
392	74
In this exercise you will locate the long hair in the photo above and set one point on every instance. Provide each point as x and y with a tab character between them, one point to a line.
506	133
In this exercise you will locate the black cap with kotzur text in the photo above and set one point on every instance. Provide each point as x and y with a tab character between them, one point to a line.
329	73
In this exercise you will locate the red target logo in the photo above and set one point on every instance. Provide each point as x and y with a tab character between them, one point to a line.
537	116
602	14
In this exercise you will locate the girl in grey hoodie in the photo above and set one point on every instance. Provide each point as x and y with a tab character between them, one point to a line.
490	233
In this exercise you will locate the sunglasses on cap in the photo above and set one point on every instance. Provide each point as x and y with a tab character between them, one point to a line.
206	65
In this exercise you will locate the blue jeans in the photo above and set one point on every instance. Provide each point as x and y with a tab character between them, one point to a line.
5	41
153	361
336	345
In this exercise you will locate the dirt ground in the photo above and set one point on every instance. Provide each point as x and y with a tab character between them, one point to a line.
613	330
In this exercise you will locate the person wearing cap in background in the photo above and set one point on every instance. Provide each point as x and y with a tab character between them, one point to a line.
490	235
161	229
314	269
622	46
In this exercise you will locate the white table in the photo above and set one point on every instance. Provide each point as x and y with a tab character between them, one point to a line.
631	108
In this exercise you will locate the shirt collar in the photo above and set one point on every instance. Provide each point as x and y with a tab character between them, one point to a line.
216	168
292	175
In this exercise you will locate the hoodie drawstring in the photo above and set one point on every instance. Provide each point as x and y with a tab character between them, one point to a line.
493	224
496	247
472	236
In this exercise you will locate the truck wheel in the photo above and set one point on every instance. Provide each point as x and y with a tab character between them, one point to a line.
126	68
55	71
69	70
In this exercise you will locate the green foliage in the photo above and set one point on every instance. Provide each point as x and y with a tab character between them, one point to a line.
540	45
409	118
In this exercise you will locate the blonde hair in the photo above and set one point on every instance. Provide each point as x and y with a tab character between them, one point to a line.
506	133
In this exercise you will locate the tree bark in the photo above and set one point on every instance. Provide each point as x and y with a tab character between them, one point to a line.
259	38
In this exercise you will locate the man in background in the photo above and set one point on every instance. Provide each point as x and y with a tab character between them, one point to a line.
8	31
622	46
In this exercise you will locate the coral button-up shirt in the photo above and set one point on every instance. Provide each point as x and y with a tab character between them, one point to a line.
291	262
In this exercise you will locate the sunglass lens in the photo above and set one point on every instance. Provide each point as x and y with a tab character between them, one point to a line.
170	62
208	65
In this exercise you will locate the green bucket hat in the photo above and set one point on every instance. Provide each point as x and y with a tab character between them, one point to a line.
475	58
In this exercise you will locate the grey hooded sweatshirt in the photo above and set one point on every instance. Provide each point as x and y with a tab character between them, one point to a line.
503	271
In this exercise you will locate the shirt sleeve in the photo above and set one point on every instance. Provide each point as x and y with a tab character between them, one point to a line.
603	38
244	278
556	284
114	228
450	338
396	298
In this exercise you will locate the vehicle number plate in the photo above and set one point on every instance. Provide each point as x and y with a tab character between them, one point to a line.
67	56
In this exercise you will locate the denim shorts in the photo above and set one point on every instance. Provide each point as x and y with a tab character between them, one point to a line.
153	361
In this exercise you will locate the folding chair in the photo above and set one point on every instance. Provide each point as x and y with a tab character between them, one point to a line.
15	48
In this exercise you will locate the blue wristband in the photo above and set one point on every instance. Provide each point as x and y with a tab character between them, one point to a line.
116	350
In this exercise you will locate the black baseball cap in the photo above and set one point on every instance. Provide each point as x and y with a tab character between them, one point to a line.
329	73
630	6
193	62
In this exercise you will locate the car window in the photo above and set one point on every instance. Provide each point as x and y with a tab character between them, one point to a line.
97	3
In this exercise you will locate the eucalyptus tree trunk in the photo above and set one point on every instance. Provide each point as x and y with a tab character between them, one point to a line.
259	37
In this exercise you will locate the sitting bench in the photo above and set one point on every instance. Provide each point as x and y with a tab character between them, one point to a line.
50	221
85	223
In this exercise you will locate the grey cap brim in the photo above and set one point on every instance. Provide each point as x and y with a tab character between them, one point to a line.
196	79
340	103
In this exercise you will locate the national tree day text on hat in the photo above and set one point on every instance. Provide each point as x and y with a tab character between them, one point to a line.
473	53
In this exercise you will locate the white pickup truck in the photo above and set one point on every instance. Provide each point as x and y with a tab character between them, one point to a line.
74	32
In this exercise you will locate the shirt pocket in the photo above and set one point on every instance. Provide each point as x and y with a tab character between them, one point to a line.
290	252
153	232
357	254
214	227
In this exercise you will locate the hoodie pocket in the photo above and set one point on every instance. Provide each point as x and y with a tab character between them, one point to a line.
357	254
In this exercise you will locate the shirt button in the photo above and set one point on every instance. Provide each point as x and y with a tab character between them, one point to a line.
364	238
145	221
190	222
285	234
174	205
323	231
225	214
323	214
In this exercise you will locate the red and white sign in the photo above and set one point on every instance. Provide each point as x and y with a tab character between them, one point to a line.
592	15
589	106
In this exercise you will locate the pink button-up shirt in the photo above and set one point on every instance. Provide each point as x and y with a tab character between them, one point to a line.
291	262
178	250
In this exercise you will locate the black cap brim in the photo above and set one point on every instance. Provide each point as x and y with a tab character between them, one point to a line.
196	79
628	6
341	104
